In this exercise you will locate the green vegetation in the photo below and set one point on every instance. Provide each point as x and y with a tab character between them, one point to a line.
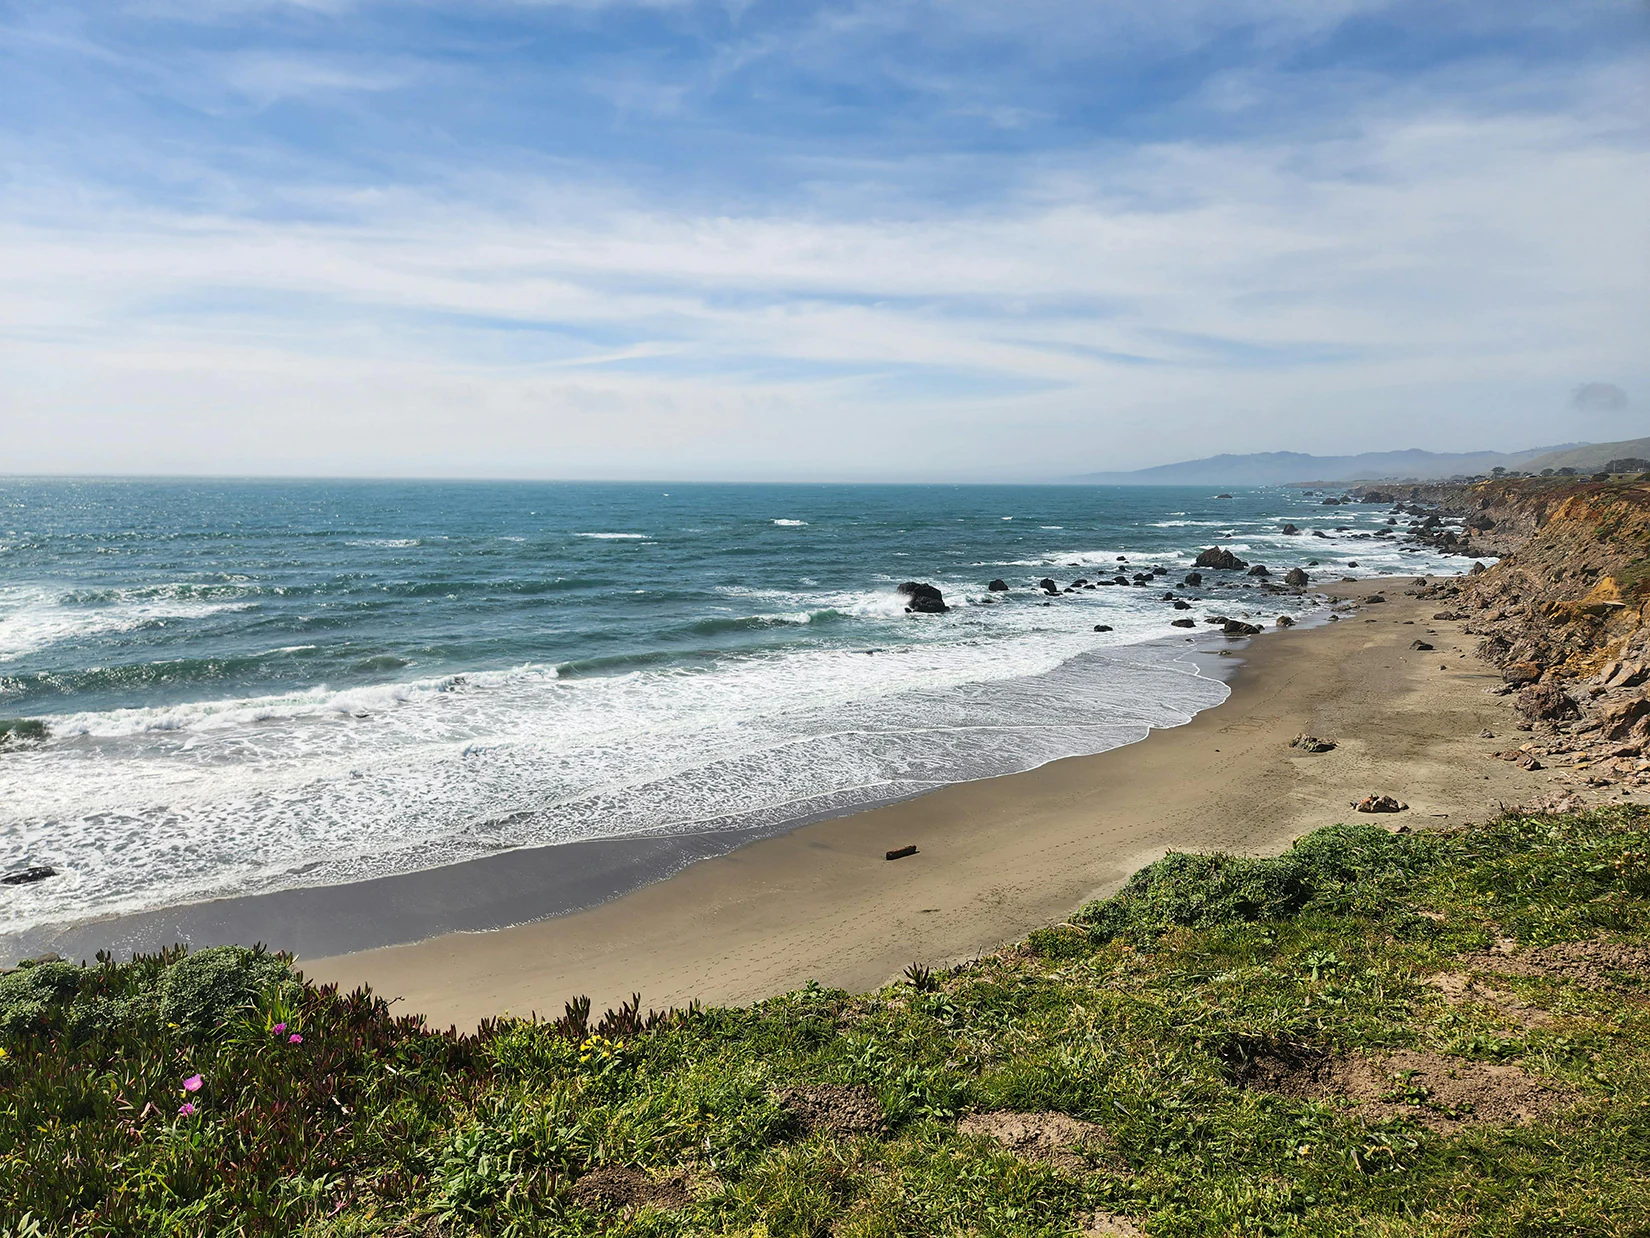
1150	1015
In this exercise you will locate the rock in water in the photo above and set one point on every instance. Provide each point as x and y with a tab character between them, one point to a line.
925	599
1047	585
1284	621
998	586
1297	578
28	876
1193	580
1259	570
1236	627
1102	627
1219	557
1183	623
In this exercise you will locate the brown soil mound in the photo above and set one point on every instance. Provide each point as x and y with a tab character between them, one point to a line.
1591	964
1439	1092
615	1188
1053	1137
838	1111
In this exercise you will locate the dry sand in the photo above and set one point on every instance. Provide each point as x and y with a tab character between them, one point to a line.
1000	857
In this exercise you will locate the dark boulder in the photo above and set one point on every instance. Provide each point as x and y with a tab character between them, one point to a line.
29	875
1193	580
1545	702
1259	570
1284	621
998	586
1048	586
1219	557
1102	627
1290	530
1179	605
1183	623
1236	627
924	599
1420	645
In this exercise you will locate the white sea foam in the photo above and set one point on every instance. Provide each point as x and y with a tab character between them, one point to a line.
33	618
615	537
792	524
385	543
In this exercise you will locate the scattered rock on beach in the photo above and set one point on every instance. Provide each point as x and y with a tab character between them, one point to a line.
1284	621
1296	577
1236	627
1379	803
925	599
1311	743
1420	645
1545	701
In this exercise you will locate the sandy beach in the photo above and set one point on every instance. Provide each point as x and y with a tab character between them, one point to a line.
1000	857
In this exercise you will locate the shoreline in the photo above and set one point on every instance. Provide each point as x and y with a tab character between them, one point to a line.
515	885
1002	856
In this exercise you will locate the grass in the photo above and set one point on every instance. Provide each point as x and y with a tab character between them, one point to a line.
1135	1015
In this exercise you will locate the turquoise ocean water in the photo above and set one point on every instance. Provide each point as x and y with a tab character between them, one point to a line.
258	685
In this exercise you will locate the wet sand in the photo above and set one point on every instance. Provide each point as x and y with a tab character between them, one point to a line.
1000	857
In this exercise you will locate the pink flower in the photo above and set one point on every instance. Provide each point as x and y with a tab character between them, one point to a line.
193	1083
278	1028
187	1109
295	1039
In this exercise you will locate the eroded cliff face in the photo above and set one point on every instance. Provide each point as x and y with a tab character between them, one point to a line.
1563	614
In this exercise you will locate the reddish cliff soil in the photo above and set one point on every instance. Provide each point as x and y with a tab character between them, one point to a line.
1564	615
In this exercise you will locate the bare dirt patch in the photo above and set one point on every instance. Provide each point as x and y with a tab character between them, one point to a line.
619	1188
1110	1225
1443	1093
1056	1138
1591	964
1461	987
841	1112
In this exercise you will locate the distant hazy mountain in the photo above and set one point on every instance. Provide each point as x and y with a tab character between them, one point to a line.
1592	456
1277	468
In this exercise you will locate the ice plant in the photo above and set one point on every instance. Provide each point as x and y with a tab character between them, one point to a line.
187	1109
295	1039
193	1083
278	1028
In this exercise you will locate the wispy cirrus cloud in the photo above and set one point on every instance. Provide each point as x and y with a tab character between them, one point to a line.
849	239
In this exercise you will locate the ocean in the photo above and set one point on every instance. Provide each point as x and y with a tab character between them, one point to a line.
254	686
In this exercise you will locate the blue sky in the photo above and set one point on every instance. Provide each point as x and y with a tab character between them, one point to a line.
749	239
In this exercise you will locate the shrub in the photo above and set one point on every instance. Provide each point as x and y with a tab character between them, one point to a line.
1337	868
28	994
203	989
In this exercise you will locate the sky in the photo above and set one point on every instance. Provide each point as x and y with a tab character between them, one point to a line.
868	239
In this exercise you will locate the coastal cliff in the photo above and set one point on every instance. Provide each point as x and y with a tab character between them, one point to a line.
1563	614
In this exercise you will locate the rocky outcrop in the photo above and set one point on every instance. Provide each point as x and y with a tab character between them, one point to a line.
923	599
1297	577
1221	558
1565	615
1236	627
